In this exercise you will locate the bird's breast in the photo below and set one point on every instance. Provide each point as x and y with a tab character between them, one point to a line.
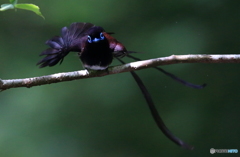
96	56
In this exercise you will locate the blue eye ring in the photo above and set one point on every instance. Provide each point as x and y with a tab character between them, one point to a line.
89	39
101	36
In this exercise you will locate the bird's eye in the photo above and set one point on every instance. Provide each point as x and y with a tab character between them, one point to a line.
89	39
101	36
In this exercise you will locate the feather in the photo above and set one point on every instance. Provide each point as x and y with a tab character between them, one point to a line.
71	39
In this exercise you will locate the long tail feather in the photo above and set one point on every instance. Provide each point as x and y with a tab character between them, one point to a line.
155	114
172	76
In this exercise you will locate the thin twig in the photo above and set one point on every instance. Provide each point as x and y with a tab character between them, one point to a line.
68	76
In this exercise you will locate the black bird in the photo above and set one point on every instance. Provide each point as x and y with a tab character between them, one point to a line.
96	49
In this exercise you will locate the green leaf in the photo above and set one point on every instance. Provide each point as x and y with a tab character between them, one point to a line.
30	7
13	2
6	7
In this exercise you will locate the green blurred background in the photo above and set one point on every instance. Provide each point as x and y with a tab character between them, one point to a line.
108	116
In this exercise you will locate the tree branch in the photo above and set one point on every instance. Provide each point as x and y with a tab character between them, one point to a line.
69	76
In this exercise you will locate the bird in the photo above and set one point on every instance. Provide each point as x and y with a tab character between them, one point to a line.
96	49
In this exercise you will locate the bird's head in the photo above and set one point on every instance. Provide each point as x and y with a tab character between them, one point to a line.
95	34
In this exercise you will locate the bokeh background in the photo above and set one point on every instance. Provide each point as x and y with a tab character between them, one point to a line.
108	116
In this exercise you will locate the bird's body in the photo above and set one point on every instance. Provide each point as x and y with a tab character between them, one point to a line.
96	57
95	47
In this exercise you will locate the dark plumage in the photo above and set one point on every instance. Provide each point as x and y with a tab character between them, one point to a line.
95	47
